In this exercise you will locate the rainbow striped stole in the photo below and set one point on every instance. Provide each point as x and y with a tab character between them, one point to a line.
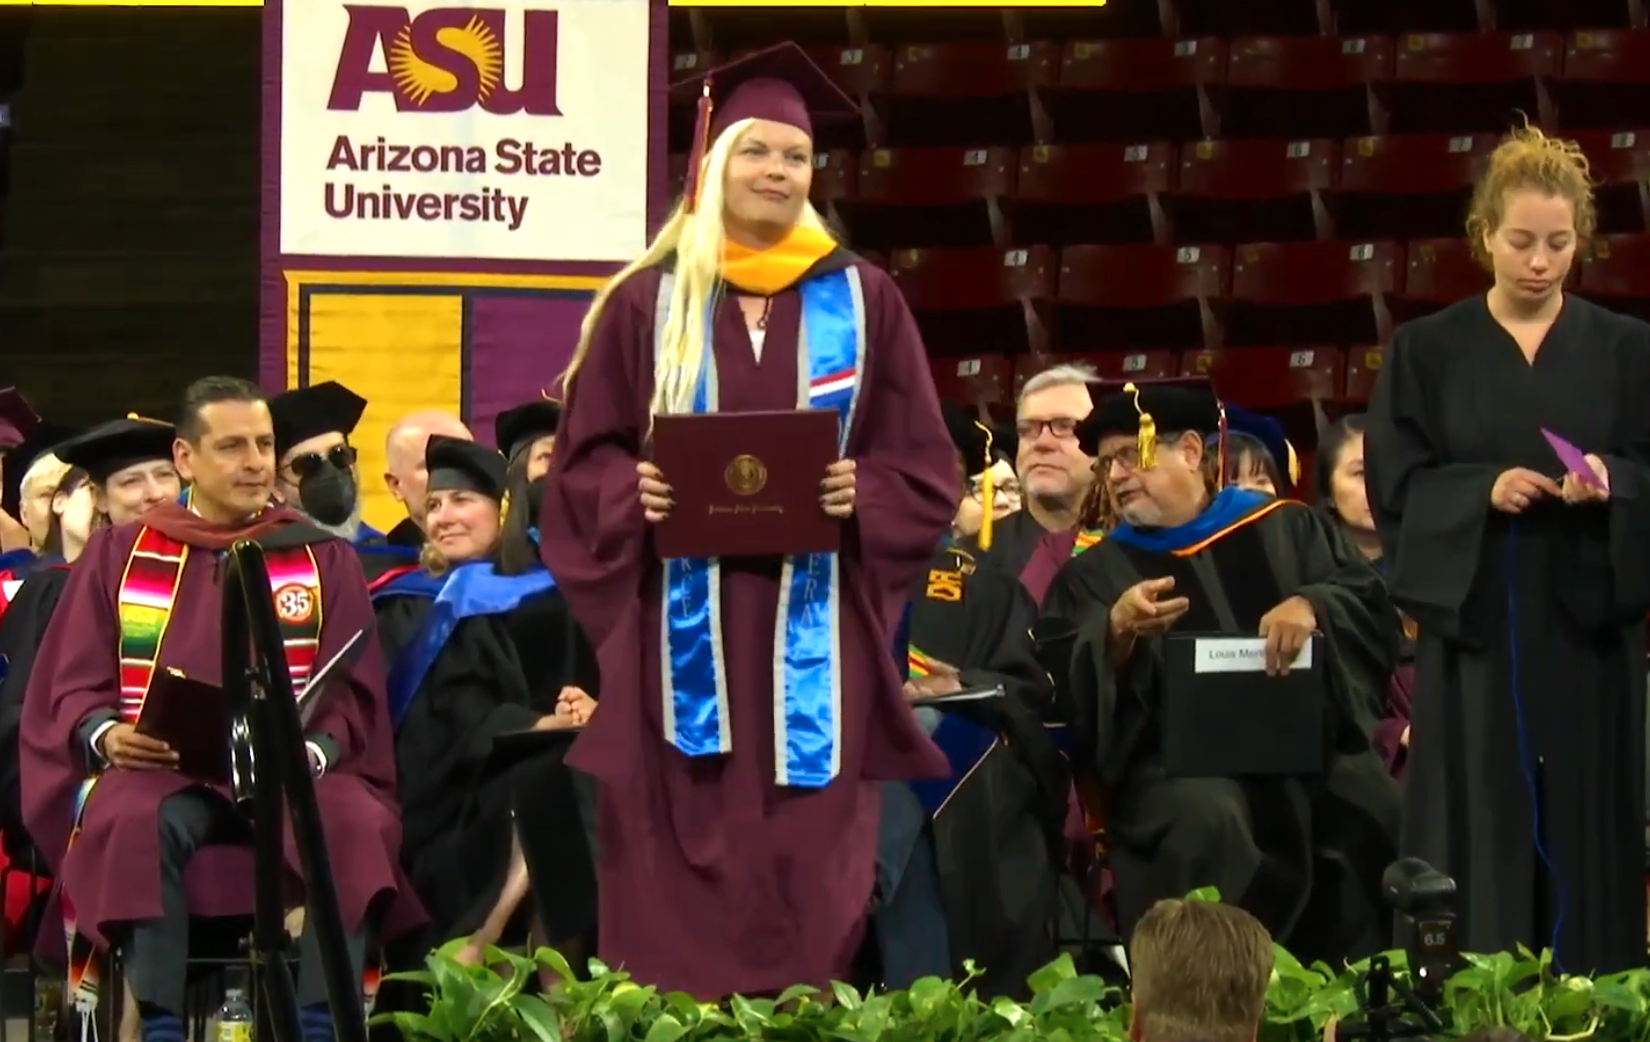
1085	539
149	591
918	664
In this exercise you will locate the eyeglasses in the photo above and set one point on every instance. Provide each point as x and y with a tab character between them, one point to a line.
1127	458
309	464
1062	427
1002	489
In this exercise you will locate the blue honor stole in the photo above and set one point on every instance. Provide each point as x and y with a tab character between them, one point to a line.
470	590
807	679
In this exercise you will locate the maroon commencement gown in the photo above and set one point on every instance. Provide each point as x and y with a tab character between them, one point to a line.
112	872
713	879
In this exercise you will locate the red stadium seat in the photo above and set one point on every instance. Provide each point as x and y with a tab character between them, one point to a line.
1472	81
1410	185
1363	366
974	380
932	196
860	71
1137	90
969	93
1309	292
1606	79
836	175
972	299
1253	188
1129	296
1304	86
1441	271
1069	194
1156	364
1620	163
1270	377
1618	269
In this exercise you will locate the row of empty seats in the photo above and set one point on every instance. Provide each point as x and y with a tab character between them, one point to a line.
1397	186
981	93
1037	299
1256	377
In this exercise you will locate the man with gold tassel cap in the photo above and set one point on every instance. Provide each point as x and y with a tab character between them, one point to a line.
741	789
1189	556
138	844
979	883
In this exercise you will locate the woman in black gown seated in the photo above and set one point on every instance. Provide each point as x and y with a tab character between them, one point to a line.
494	834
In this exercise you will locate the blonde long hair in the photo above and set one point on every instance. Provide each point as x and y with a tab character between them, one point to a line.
697	240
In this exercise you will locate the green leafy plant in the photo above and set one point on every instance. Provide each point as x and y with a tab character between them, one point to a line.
499	1003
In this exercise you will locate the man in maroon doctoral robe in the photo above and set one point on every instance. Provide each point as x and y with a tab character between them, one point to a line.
150	846
733	864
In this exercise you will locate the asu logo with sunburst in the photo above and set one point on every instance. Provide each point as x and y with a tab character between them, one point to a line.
419	80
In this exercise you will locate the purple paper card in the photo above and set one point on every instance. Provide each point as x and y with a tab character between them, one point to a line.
1574	460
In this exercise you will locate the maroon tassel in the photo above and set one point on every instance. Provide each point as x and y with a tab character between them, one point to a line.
696	157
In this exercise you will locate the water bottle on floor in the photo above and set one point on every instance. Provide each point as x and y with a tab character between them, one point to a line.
233	1022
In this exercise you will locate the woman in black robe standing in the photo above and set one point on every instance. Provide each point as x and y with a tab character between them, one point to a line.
1528	576
496	656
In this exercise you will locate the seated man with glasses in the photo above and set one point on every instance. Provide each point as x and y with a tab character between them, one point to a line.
1052	471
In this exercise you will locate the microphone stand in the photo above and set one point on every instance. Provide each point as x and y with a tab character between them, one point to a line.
270	770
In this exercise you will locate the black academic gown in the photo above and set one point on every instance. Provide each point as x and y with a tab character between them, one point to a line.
998	832
21	631
1530	679
1304	855
496	674
1013	540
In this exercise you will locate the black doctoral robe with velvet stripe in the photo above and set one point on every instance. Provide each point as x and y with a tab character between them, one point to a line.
1297	852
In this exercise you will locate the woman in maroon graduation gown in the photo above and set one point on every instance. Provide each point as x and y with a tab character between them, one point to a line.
739	813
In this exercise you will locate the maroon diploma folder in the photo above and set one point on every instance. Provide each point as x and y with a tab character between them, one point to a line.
190	716
746	484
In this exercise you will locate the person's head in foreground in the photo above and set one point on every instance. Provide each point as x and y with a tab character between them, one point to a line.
1531	212
1200	970
1151	450
744	218
225	449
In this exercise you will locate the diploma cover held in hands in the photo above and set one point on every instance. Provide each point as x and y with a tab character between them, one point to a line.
746	483
807	678
190	716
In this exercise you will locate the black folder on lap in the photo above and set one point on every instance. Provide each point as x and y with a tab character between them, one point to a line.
1223	717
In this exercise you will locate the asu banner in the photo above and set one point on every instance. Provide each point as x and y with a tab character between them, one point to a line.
445	186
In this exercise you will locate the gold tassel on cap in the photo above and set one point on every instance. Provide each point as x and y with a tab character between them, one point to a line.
1220	446
1294	463
504	507
145	419
988	491
1146	440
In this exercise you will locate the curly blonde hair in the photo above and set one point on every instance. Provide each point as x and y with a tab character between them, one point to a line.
1530	159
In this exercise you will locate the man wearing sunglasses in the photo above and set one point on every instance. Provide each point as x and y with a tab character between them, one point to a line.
316	472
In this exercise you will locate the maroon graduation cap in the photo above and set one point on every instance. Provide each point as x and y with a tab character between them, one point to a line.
780	84
17	419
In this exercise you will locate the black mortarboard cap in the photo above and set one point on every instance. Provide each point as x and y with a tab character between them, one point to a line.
780	84
461	464
1269	432
43	439
111	447
1149	407
514	428
17	419
968	435
308	412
